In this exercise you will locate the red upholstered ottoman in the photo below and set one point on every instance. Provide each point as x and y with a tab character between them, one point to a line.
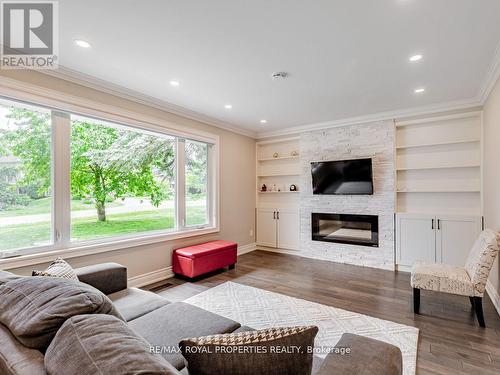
196	260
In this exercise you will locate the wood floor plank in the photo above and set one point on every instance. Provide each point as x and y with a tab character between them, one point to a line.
450	340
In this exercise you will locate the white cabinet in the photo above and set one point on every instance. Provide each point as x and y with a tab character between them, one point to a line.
455	236
288	229
444	239
266	227
278	228
415	239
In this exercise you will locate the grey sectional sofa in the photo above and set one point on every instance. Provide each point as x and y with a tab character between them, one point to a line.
164	324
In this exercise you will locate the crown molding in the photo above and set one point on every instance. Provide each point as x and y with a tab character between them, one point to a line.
88	81
128	94
491	78
381	116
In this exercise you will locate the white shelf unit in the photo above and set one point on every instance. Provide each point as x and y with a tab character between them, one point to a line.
438	188
438	165
278	219
277	173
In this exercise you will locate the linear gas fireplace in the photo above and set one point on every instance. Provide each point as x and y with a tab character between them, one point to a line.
350	229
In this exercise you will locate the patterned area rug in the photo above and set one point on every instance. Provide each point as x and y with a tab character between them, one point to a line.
260	309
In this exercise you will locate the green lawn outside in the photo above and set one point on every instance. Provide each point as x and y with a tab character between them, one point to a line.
36	234
43	206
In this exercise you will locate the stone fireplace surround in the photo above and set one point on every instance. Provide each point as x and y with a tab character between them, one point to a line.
371	140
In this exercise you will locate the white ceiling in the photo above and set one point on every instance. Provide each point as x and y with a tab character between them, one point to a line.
346	58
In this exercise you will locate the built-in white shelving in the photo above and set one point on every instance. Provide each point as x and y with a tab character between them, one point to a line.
278	192
430	144
279	158
278	167
279	174
277	214
438	164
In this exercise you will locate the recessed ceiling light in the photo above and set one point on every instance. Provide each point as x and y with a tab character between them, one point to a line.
415	58
82	43
263	121
174	83
228	106
419	91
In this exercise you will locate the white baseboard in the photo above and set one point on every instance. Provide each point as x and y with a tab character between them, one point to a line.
166	273
150	277
400	267
494	296
247	248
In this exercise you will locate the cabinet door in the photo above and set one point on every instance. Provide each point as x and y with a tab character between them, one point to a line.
455	235
415	239
266	227
288	229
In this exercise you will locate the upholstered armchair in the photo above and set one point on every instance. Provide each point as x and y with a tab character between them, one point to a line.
467	281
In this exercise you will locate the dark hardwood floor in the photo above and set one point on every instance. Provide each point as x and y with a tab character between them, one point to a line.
450	339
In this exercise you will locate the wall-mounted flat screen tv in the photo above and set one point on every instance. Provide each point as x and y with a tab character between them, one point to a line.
343	177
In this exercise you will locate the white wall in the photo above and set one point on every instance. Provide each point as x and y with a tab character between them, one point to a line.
237	182
491	179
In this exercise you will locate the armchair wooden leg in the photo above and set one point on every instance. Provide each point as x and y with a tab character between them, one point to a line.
478	308
416	300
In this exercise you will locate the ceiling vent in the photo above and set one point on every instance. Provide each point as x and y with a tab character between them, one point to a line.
279	76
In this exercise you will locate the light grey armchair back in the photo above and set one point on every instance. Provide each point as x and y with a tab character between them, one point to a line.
481	258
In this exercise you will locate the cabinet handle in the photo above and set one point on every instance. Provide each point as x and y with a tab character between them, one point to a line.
439	224
432	224
278	214
274	215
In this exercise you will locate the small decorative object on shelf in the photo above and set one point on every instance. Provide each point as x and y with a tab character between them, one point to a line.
293	187
294	153
275	188
276	155
263	188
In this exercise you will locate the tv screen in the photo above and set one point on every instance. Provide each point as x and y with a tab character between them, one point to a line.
343	177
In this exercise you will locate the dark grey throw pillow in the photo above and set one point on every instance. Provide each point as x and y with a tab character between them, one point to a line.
283	351
102	344
34	308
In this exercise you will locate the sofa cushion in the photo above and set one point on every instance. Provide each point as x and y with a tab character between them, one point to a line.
7	276
282	350
58	268
133	303
17	359
107	277
164	328
366	356
34	308
101	344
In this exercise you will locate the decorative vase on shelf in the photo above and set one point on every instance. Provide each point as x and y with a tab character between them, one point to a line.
294	153
293	187
263	188
276	155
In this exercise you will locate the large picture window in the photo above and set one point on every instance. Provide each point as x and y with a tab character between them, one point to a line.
196	156
122	180
68	180
25	177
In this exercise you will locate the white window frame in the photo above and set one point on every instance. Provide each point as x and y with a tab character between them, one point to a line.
62	106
